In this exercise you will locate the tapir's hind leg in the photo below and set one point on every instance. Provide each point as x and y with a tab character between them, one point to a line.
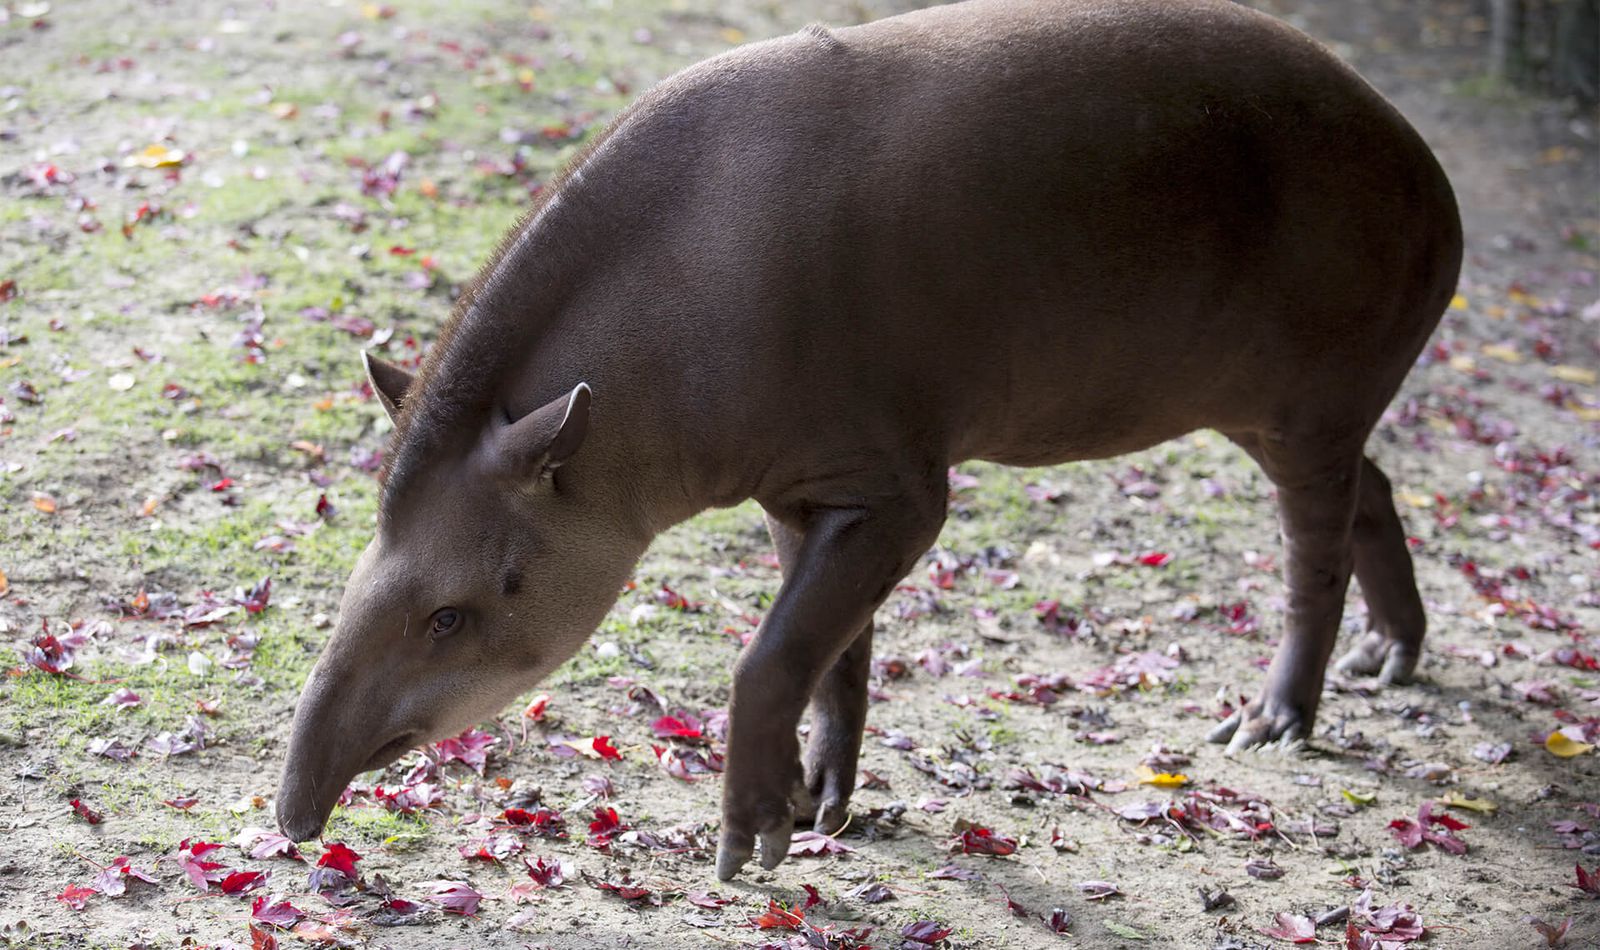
1395	619
838	712
1318	482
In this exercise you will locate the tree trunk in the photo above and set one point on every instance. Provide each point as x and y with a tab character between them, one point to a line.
1550	46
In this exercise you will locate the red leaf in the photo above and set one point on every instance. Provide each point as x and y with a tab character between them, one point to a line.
813	844
668	727
199	872
980	840
340	858
1155	559
544	822
1293	928
456	897
255	600
813	897
778	917
75	896
112	881
491	848
707	899
925	932
1443	818
262	939
276	912
471	749
605	825
546	873
627	890
1588	881
240	881
49	654
86	813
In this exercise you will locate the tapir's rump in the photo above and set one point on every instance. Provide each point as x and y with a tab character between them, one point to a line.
819	270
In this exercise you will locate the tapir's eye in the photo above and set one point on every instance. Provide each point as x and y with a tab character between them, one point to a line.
445	622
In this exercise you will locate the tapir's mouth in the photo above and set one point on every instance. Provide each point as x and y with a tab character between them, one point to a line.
390	751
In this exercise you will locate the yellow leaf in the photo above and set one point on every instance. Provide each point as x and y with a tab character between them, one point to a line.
1480	805
1503	353
1462	363
44	502
5	583
1458	302
1415	500
150	505
156	156
1581	375
1559	743
1149	776
1519	296
731	34
1359	799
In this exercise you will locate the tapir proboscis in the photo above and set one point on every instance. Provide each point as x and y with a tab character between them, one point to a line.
819	270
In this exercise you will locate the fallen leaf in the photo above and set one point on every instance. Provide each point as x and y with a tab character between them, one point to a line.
155	156
456	897
75	896
1563	745
1293	928
1149	776
339	858
1480	805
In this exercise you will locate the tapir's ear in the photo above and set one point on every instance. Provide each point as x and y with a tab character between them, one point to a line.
546	437
389	382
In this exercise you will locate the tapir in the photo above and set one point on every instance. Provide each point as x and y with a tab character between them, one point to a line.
818	271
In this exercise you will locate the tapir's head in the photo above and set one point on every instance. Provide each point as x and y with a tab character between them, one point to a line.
489	568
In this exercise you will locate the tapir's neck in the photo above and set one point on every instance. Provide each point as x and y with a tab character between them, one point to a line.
577	296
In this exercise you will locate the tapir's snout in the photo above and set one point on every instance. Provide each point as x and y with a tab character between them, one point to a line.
335	737
300	820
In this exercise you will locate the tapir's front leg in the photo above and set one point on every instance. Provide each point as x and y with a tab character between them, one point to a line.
845	565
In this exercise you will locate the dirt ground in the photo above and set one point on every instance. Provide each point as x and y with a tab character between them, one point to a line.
206	208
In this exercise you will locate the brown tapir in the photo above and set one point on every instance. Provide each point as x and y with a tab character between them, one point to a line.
819	270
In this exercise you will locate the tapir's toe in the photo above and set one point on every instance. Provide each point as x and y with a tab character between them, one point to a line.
733	852
1260	723
1377	655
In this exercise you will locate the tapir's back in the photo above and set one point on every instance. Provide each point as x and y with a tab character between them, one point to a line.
1023	231
1145	215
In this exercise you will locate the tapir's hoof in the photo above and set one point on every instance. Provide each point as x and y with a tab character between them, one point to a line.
737	845
829	818
1392	662
829	786
1255	726
733	854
